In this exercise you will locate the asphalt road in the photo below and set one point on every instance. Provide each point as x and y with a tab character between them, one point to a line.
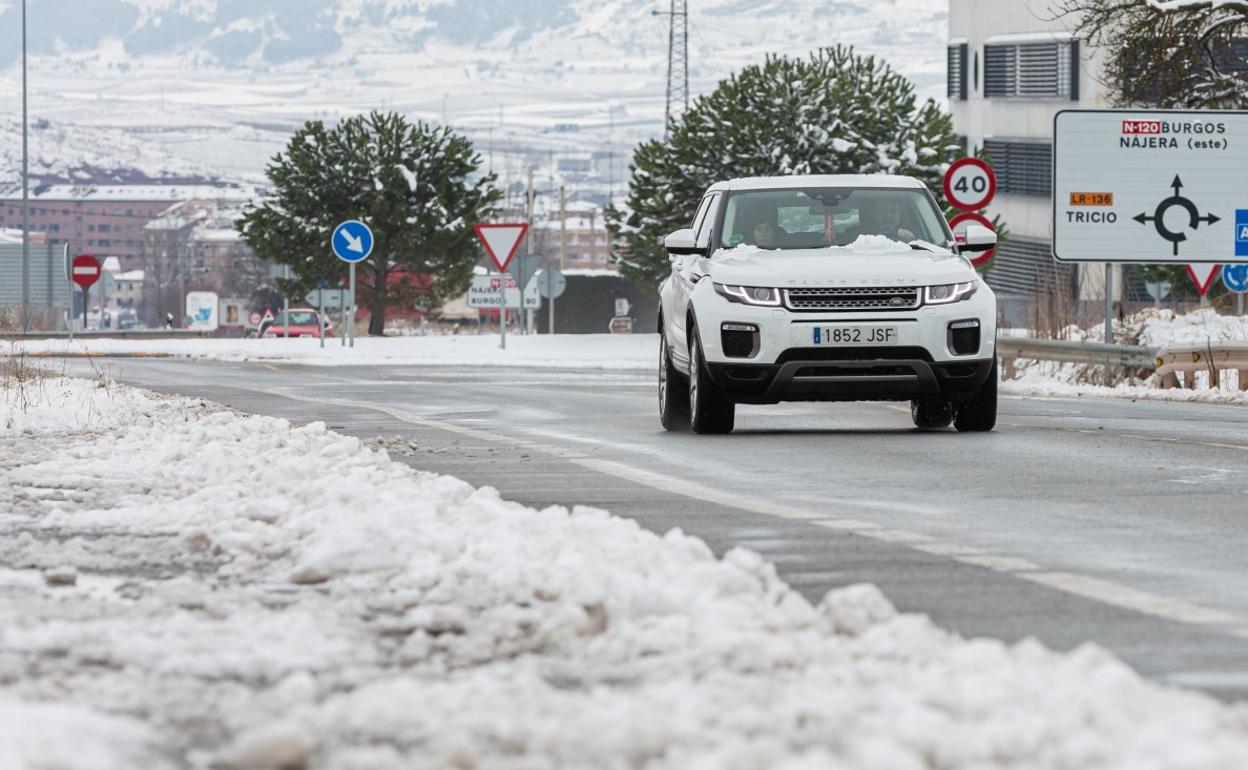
1114	522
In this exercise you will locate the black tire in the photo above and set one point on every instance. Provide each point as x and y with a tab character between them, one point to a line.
709	411
931	413
673	391
980	413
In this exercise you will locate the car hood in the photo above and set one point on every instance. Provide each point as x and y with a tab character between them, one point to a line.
836	266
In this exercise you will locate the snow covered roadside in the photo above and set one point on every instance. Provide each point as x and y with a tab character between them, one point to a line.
1149	328
189	587
566	351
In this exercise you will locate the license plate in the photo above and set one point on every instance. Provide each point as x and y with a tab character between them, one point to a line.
855	335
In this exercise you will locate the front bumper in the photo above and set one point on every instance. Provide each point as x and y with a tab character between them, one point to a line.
850	374
785	363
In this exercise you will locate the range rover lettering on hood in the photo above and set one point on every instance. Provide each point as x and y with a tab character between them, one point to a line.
794	282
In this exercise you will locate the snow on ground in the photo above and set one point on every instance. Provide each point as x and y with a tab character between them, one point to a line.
584	351
1153	328
1150	328
190	587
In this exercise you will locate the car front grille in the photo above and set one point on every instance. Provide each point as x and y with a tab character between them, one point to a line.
851	299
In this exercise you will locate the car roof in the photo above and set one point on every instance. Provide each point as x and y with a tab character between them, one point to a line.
817	180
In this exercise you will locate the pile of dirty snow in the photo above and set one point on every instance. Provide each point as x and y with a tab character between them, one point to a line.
191	587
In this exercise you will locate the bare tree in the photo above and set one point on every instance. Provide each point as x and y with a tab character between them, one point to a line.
1168	53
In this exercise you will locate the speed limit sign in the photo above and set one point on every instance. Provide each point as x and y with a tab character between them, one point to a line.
970	184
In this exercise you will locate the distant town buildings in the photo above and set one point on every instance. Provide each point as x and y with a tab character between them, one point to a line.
168	239
579	239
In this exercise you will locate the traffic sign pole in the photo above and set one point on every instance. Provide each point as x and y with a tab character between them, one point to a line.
320	318
351	301
550	293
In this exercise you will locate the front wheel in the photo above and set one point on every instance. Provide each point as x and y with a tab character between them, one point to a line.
709	411
980	413
673	391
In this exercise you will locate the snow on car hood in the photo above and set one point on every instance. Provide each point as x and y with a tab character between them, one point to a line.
872	260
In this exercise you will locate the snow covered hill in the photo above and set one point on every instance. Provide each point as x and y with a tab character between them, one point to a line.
217	85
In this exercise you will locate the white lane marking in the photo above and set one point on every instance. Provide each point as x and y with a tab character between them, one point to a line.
1204	476
1083	586
1130	598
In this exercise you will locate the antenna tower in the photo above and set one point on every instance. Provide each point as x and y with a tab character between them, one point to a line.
677	62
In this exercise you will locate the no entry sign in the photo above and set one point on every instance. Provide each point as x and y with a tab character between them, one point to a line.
85	270
970	184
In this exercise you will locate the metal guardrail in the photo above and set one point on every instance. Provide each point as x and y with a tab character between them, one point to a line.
1211	357
1168	362
1067	351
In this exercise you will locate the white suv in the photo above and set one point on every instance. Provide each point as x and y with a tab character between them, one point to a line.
825	288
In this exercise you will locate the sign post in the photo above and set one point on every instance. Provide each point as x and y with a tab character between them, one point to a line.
352	242
85	271
553	284
500	242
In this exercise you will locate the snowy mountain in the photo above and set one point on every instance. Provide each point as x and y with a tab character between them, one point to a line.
215	86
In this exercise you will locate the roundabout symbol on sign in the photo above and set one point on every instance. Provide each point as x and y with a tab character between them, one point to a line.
1158	217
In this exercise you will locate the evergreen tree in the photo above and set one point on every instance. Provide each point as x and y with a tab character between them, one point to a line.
834	112
409	182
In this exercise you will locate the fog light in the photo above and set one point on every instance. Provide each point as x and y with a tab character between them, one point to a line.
739	340
963	337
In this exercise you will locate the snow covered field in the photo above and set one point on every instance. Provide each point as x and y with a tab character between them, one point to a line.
591	351
1151	328
190	587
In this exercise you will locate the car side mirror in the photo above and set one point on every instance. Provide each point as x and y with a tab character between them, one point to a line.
681	242
978	240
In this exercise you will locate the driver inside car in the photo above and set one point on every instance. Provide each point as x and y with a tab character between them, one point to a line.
884	217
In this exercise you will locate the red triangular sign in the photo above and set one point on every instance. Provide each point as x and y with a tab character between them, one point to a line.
501	241
1203	275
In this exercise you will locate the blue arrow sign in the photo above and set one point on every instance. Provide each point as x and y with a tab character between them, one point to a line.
1235	278
352	241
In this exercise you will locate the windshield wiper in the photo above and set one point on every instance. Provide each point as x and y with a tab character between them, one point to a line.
925	246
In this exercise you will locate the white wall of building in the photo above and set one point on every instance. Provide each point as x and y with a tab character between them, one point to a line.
981	22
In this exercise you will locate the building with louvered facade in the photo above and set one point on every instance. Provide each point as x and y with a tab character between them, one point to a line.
1013	65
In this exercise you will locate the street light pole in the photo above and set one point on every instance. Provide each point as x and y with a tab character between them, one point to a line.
25	190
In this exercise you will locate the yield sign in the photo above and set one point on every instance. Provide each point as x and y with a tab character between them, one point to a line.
1203	276
501	241
85	270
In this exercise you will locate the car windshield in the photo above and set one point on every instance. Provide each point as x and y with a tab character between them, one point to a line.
813	218
297	318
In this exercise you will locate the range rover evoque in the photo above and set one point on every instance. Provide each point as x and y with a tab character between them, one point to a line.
825	288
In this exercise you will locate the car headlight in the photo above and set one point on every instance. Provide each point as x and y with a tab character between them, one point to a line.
749	295
949	292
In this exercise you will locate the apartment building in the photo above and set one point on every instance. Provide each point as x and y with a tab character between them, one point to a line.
104	220
1013	64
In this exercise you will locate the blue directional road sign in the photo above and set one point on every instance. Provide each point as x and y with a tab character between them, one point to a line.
352	241
1235	278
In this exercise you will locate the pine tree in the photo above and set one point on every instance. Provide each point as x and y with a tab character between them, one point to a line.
834	112
410	183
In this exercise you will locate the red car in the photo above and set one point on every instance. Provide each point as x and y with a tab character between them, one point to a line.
303	323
